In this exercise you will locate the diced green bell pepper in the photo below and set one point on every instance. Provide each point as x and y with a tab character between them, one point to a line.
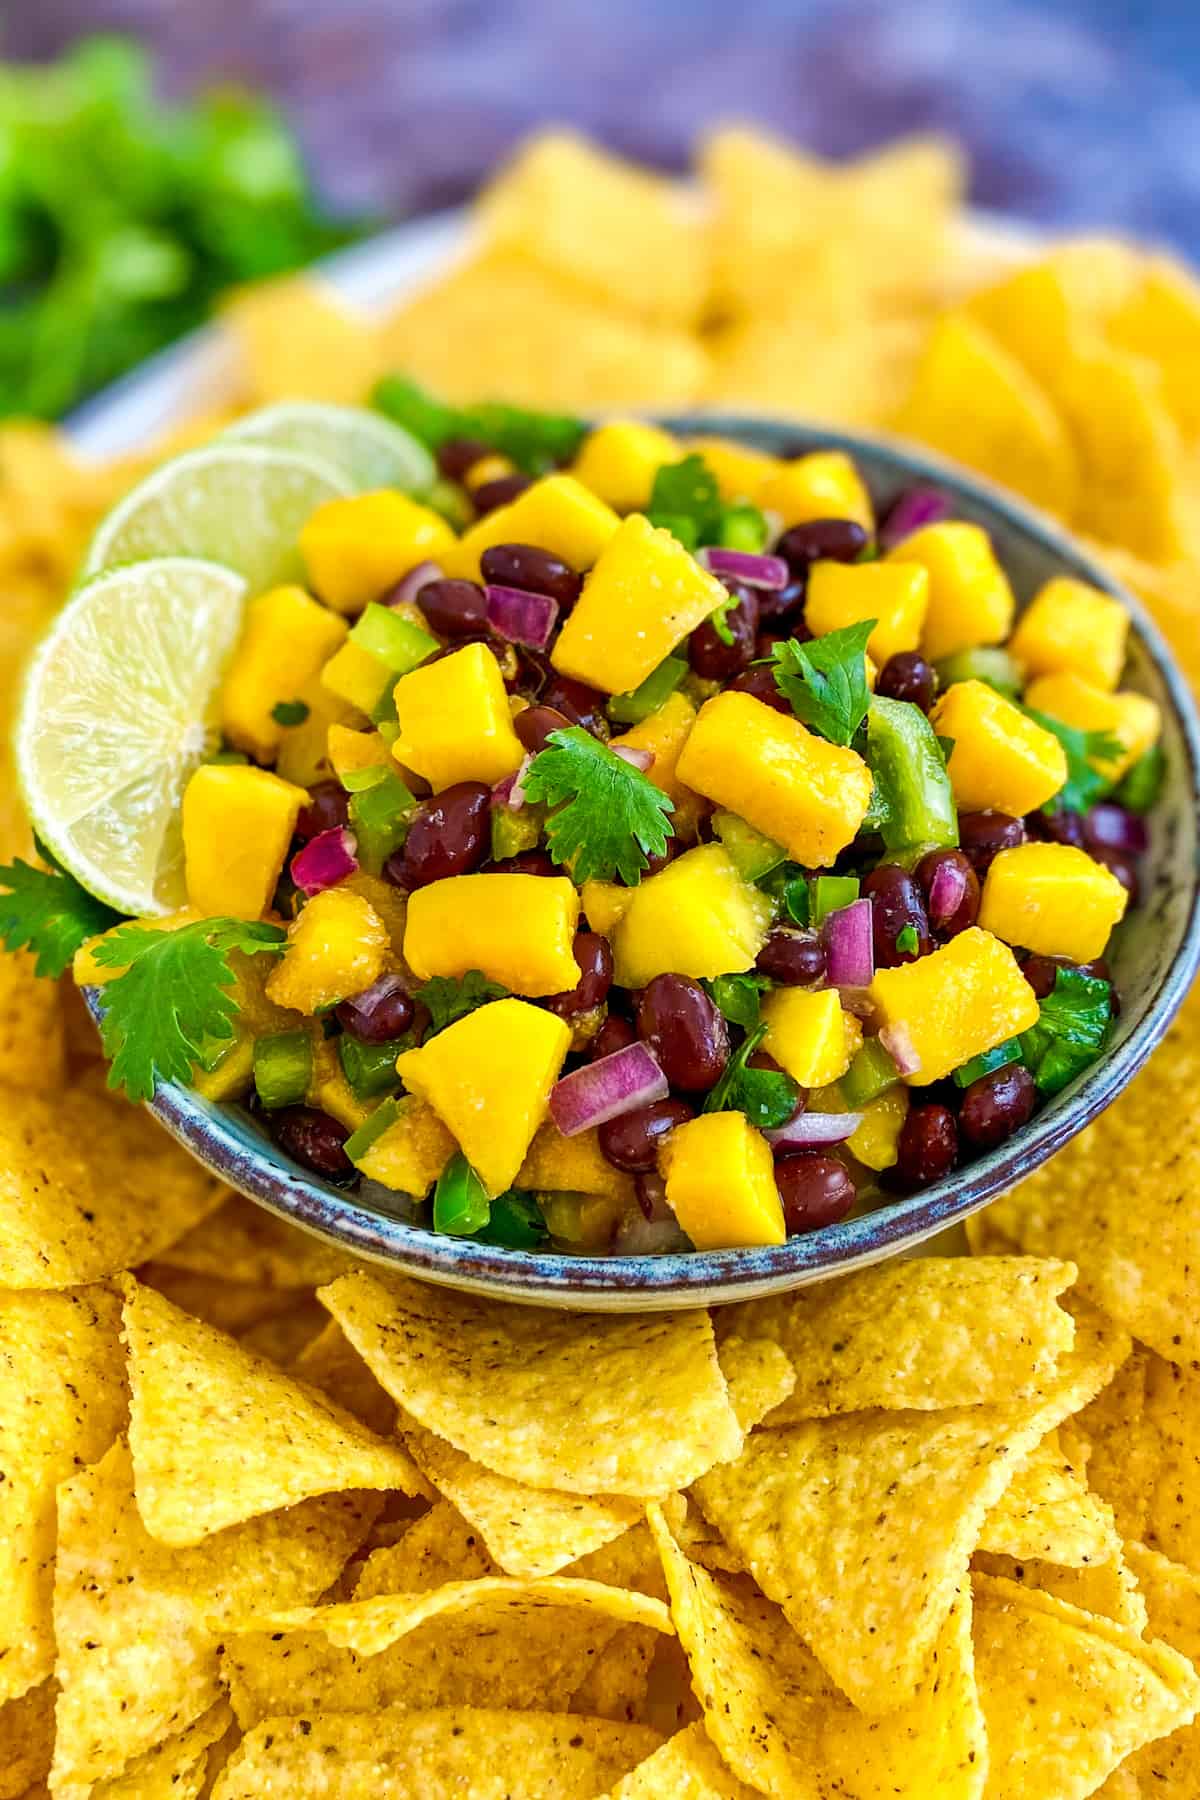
516	1222
283	1066
371	1130
999	1058
752	854
371	1068
828	894
460	1203
394	640
743	527
515	832
1141	784
910	772
640	702
982	663
871	1073
379	817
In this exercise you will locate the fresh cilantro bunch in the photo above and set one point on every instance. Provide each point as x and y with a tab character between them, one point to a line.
767	1096
174	1000
534	441
1085	783
47	912
449	999
608	818
825	681
1071	1031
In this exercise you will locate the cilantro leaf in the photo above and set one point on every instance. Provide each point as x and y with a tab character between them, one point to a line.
686	501
609	817
534	441
450	999
174	999
766	1096
1085	782
48	912
907	941
737	996
825	680
290	712
1070	1033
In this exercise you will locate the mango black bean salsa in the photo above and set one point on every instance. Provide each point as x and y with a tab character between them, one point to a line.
661	850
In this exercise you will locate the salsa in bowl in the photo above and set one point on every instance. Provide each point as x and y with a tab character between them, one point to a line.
727	856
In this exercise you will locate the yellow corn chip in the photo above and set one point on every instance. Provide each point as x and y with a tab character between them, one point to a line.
1040	312
500	327
1170	1767
760	1376
284	1336
26	1740
1107	1589
200	1401
972	400
1160	320
1111	1690
138	1624
1145	1438
330	1362
438	1548
437	1755
834	1520
687	1767
176	1769
1130	453
851	368
297	339
1049	1513
700	1540
244	1242
782	1726
589	1403
631	240
89	1186
62	1402
33	1051
929	1332
616	1685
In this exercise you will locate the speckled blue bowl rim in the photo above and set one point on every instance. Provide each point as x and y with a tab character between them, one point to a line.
223	1139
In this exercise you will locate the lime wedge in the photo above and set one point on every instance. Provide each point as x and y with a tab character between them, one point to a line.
236	504
120	704
367	450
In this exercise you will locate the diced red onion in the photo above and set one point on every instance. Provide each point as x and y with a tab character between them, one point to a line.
521	617
603	1090
849	946
947	891
1111	827
916	507
745	566
509	793
899	1046
405	592
325	860
637	759
815	1128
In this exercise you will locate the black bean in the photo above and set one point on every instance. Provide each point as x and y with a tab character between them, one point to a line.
458	455
982	835
822	540
528	862
760	684
996	1105
685	1030
581	704
710	656
449	835
816	1189
384	1012
1124	868
454	609
595	961
793	958
327	808
311	1138
616	1033
498	493
907	676
534	725
897	907
943	874
525	566
632	1142
928	1146
1057	827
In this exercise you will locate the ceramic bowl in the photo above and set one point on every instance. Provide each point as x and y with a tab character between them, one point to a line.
1155	957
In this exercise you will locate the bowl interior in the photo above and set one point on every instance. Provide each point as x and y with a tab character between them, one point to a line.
1155	958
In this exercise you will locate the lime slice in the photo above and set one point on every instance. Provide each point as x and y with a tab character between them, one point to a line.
236	504
120	704
367	450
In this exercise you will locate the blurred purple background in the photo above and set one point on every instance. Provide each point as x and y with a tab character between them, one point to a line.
1075	112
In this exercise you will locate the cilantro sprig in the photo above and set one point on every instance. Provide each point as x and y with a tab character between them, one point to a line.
825	681
290	712
738	997
534	441
1071	1030
608	818
48	912
174	998
450	998
768	1097
1087	752
686	501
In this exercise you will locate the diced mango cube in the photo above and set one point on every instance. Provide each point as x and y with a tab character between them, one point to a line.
356	677
956	1002
1001	758
336	948
720	1178
740	472
518	929
328	1090
664	733
875	1142
285	640
582	1221
894	594
571	1165
351	750
488	1077
232	1075
557	514
970	600
695	917
1052	899
806	794
357	548
1133	719
605	904
412	1152
389	902
455	724
619	461
1072	627
644	596
237	825
810	1035
822	485
303	756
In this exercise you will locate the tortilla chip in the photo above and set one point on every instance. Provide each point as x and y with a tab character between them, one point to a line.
1130	452
626	237
297	338
1009	430
687	1767
244	1242
831	362
930	1332
200	1401
1042	311
330	1362
1160	320
1049	1513
62	1402
701	1542
1170	1766
760	1377
231	1306
631	1561
1145	1438
138	1624
500	328
615	1686
175	1769
436	1549
33	1049
26	1740
782	1726
90	1185
589	1403
1112	1692
835	1521
1136	1239
1107	1589
284	1336
438	1755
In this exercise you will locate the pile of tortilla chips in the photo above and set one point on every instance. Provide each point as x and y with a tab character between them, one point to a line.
273	1523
